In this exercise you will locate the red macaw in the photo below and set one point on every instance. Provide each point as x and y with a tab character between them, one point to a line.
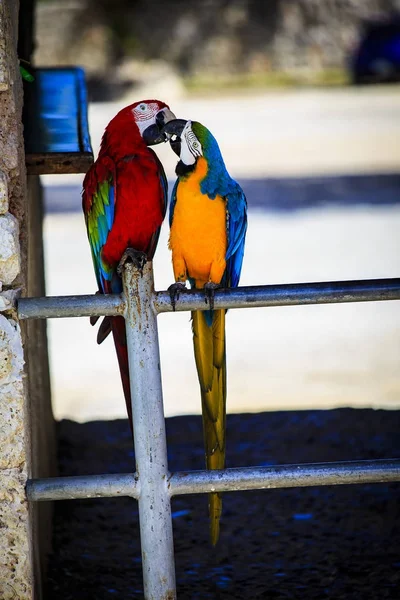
124	201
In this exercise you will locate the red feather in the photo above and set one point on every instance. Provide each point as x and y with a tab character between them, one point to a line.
139	210
140	206
119	335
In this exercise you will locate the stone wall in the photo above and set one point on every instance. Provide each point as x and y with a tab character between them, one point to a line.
16	574
26	424
212	37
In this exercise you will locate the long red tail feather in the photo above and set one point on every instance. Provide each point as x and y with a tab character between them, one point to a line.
119	334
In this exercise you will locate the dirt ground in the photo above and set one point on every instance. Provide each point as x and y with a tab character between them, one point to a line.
331	542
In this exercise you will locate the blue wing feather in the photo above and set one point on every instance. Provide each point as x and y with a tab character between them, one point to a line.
110	208
236	207
219	182
100	196
173	202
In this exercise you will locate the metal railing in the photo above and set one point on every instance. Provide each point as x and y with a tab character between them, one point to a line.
152	485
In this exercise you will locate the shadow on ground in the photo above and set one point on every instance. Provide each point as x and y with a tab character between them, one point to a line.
331	542
277	194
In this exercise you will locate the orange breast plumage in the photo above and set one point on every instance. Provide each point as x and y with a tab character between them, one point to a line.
198	232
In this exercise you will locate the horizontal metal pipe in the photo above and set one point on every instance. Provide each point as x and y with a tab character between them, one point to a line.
88	486
96	305
286	295
200	482
285	476
242	297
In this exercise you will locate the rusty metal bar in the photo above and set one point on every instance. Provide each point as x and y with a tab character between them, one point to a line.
53	307
229	480
286	295
371	290
284	476
149	434
88	486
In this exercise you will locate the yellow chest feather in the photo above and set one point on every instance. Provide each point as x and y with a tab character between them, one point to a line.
198	232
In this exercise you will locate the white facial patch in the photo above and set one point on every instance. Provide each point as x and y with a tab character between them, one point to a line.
190	145
145	115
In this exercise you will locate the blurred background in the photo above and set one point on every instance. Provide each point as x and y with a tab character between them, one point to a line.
304	100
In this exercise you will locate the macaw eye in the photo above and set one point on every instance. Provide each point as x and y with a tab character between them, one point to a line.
195	145
142	107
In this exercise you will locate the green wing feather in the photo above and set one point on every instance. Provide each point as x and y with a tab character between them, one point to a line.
99	221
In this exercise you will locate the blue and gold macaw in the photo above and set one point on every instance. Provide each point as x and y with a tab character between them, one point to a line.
208	220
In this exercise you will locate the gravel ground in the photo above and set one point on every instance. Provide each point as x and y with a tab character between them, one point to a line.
330	542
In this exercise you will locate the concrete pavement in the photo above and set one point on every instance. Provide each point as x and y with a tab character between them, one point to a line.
287	133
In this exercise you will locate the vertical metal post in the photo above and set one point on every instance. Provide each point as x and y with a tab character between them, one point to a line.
149	435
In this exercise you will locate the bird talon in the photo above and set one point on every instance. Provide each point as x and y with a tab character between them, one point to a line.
209	293
137	258
174	291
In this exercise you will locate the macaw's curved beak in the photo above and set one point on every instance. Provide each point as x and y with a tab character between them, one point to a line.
173	131
153	134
